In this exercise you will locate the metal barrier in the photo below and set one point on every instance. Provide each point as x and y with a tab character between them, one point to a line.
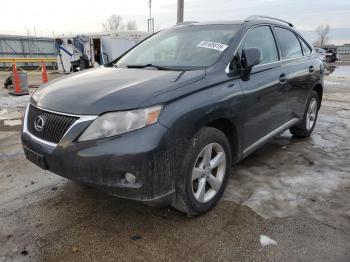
27	60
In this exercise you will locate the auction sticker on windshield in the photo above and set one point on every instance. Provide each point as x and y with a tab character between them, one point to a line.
212	45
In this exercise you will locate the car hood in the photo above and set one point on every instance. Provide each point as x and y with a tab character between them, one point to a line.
95	91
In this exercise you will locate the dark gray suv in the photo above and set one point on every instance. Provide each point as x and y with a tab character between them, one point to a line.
163	123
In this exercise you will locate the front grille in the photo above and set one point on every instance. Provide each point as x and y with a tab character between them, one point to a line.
54	127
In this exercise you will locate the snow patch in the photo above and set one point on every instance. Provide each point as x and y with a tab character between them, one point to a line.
336	104
320	142
9	114
280	195
13	102
15	122
266	241
344	112
331	83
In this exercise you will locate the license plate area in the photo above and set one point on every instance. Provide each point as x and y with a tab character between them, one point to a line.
35	158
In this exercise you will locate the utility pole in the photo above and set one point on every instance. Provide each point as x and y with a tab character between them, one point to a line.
150	21
150	8
180	11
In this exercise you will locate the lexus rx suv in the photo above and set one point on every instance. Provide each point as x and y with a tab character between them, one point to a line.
164	123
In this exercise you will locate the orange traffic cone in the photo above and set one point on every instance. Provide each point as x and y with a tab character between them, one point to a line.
16	82
44	73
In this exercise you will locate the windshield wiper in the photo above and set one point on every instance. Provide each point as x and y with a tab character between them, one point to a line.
149	65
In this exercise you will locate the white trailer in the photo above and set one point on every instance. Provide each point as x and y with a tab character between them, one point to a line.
90	50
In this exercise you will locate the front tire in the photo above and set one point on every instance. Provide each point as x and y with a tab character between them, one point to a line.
307	125
204	172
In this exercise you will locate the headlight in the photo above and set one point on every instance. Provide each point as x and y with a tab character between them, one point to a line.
116	123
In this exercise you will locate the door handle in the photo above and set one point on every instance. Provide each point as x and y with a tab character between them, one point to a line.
311	69
283	78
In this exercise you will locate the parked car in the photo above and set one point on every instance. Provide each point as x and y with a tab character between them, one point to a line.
330	54
322	54
164	123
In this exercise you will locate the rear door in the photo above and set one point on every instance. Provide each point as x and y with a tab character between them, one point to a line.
264	98
312	65
298	69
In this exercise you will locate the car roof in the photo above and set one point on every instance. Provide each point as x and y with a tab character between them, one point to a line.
252	20
208	23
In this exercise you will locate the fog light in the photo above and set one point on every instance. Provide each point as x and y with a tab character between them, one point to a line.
130	178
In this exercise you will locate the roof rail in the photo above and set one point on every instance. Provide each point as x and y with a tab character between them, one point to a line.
254	17
186	23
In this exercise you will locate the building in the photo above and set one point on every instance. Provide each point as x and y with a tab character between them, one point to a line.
68	50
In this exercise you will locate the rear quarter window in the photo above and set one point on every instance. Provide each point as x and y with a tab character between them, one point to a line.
306	48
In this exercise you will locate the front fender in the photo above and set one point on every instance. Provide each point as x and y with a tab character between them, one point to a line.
185	116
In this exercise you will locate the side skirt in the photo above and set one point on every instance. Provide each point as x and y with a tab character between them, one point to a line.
250	149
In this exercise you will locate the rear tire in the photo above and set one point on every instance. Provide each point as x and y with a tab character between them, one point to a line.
204	172
307	125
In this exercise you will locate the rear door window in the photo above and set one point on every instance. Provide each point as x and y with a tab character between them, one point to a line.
290	45
261	37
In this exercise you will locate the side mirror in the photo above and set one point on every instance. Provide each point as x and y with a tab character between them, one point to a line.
250	57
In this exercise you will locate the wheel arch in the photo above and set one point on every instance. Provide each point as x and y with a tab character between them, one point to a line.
231	132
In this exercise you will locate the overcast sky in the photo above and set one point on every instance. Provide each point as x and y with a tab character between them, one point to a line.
76	16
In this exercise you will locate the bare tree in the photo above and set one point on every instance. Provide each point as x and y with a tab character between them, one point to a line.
131	25
113	23
322	34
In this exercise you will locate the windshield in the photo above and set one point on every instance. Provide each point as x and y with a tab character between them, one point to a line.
188	47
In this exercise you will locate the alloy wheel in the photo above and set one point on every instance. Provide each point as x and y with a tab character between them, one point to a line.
311	114
208	172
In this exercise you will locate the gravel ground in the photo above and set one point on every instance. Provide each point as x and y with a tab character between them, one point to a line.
295	192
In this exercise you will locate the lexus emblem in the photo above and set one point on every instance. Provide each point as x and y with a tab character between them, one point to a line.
39	123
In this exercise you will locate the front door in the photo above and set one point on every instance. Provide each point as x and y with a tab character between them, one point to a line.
265	98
